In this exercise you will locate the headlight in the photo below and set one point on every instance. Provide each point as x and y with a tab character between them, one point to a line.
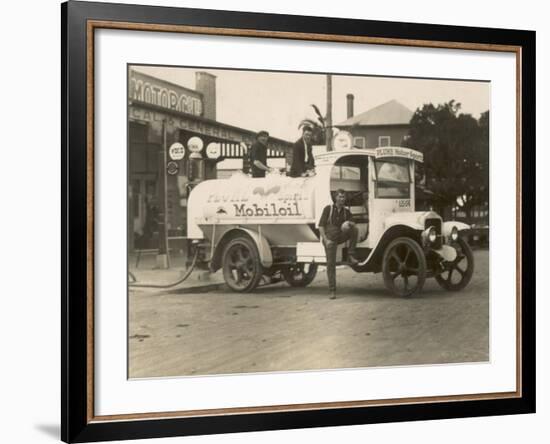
429	236
454	234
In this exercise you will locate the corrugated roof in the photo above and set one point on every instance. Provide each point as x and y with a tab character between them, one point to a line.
389	113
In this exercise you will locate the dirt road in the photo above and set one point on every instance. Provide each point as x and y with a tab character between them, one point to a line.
279	328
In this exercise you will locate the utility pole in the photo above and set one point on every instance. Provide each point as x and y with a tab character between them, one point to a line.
328	120
162	257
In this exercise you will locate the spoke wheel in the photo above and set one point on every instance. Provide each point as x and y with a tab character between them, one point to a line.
242	269
458	273
404	267
300	275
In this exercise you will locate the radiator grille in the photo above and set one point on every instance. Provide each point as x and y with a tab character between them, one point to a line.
437	224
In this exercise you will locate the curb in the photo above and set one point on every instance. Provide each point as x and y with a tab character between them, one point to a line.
197	288
204	288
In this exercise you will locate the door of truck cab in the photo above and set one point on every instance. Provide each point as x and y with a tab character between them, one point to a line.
391	187
351	174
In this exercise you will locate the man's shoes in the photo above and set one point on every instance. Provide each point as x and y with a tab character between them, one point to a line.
352	260
332	295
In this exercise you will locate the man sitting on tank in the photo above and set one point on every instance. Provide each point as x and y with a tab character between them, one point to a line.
258	155
336	227
302	162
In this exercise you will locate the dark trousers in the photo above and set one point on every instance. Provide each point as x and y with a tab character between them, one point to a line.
331	245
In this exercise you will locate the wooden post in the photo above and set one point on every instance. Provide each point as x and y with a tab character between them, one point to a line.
162	257
328	120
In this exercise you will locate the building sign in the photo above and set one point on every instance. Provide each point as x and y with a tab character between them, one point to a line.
197	125
147	89
399	152
176	151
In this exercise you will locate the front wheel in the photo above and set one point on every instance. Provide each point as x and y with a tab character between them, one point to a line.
242	269
404	267
458	273
300	275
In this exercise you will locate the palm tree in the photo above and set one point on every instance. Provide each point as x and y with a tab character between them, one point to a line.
318	126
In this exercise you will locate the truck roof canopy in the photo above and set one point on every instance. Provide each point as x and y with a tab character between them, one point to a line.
331	157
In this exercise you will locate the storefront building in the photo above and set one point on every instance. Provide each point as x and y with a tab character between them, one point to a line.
174	143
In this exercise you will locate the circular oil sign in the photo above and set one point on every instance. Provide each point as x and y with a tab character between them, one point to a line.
195	144
342	141
172	168
213	150
176	151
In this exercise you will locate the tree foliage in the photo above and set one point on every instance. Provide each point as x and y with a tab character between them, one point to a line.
317	126
456	153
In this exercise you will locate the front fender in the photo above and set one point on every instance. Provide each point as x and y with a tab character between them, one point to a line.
374	260
415	220
447	227
446	252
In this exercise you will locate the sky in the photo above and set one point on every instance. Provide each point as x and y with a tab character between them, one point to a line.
277	102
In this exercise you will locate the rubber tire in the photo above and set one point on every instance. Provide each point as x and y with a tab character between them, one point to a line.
248	243
308	278
421	276
467	250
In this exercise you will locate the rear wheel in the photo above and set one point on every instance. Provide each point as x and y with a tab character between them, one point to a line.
242	269
404	267
300	275
458	273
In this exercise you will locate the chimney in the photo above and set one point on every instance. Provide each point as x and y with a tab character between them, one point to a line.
349	98
205	83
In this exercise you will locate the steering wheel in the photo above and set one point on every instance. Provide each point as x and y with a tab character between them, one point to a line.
356	194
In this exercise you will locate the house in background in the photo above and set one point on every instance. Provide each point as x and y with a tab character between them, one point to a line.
383	125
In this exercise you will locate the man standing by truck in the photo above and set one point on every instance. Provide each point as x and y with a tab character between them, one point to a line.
336	226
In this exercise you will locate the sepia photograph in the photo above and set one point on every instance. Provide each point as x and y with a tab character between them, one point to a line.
283	222
297	221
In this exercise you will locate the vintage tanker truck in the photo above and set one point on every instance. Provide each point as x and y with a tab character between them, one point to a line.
263	230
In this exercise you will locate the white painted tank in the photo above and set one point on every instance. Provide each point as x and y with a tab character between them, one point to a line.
242	200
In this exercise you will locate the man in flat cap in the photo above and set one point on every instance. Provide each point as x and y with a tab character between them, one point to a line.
258	155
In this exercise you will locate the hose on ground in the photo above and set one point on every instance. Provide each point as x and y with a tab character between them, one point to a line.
173	284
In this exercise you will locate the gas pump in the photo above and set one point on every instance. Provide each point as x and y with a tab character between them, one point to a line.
202	161
195	165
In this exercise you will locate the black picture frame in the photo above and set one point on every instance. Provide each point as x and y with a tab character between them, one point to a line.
78	423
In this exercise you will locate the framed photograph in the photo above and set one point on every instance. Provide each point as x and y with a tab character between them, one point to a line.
275	222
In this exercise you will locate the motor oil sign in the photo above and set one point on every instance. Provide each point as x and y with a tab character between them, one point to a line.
263	200
176	151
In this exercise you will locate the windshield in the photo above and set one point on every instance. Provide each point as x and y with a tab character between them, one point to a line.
392	178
